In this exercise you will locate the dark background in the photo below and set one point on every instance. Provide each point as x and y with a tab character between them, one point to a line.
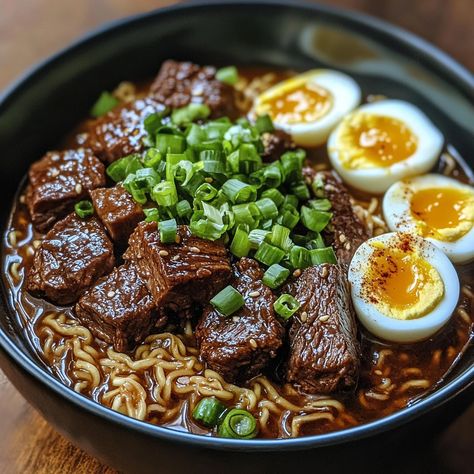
33	29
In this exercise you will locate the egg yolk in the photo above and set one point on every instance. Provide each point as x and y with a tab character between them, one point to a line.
375	141
402	285
300	103
443	213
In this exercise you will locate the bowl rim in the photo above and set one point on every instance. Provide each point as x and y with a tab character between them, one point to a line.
451	69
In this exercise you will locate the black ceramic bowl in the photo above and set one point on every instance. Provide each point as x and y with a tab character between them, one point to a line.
39	109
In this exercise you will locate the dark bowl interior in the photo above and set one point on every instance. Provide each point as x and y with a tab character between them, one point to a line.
44	105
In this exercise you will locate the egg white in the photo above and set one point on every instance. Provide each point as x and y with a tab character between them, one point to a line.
378	179
345	94
396	330
396	210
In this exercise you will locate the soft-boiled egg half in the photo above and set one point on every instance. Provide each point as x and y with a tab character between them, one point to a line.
383	142
436	207
308	106
404	288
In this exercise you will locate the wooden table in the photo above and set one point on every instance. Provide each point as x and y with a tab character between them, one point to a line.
33	29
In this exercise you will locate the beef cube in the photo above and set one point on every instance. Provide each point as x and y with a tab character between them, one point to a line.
275	144
117	210
119	309
58	181
323	348
72	256
345	231
178	275
180	83
121	131
240	346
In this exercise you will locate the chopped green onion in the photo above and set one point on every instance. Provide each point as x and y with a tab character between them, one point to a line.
121	168
280	237
132	185
105	103
275	195
320	204
208	412
299	257
146	178
292	164
84	209
313	219
324	255
152	158
257	236
238	424
239	192
240	245
207	223
228	301
205	192
289	217
267	208
316	243
301	191
184	209
168	231
153	123
272	175
275	276
286	306
152	214
229	75
167	143
269	254
245	213
290	200
264	124
165	194
190	113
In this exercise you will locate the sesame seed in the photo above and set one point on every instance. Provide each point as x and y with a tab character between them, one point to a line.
36	243
330	187
324	271
208	180
253	343
54	172
163	253
177	239
303	316
235	319
342	238
111	294
323	319
377	372
195	249
254	294
347	246
78	188
22	199
297	272
175	258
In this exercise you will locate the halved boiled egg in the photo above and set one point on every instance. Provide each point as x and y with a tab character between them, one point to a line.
309	105
404	288
436	207
383	142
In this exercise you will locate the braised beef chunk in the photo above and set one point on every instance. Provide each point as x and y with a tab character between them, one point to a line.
121	131
72	256
180	83
275	144
117	210
323	349
240	346
119	309
345	231
178	275
58	181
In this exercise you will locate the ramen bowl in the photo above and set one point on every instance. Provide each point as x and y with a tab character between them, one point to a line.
37	112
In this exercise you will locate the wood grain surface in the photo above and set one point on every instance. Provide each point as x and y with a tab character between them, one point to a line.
31	30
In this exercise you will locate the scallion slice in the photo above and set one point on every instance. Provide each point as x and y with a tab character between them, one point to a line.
238	424
286	306
208	411
289	217
165	194
121	168
240	245
275	195
184	209
299	257
167	143
228	75
228	301
190	113
257	236
280	237
275	276
269	254
324	255
205	192
239	192
264	124
105	103
168	231
267	208
320	204
313	219
301	191
84	209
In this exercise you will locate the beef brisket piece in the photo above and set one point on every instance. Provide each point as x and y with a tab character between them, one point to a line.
240	346
117	210
178	275
275	144
58	181
121	131
323	349
346	231
180	83
119	309
72	256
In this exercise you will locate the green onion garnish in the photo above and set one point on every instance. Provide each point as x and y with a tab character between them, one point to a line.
208	412
167	143
280	237
324	255
184	209
286	306
238	424
267	208
239	192
190	113
301	191
228	75
240	245
105	103
168	231
269	254
275	276
275	195
228	301
84	209
120	169
299	257
264	124
165	194
320	204
315	220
